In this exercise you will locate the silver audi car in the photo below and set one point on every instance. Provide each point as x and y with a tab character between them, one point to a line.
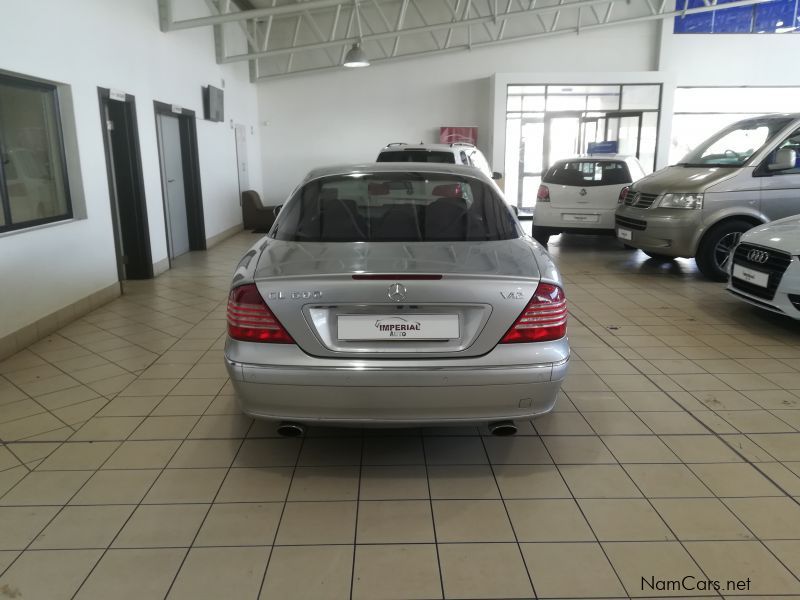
397	294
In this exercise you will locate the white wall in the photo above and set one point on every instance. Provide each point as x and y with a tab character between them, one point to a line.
346	116
117	44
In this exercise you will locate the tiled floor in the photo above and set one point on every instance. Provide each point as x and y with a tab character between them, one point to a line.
126	470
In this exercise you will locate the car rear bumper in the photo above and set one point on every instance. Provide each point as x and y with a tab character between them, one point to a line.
400	392
573	218
671	232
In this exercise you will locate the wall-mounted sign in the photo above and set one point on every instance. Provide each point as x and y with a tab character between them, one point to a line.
117	95
451	135
605	147
177	109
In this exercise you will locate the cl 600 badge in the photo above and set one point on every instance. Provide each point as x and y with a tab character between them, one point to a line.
304	295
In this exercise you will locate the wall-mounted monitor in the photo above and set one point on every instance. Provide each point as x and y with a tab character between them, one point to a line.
213	104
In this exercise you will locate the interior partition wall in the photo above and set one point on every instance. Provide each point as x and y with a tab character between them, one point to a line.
548	122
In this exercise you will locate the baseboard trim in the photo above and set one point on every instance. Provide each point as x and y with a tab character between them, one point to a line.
216	239
160	267
22	338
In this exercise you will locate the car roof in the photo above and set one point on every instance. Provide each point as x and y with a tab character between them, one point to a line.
401	167
422	146
597	157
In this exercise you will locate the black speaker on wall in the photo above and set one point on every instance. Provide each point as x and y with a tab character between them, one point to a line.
213	104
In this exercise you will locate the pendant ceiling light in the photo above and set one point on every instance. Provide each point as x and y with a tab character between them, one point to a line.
356	57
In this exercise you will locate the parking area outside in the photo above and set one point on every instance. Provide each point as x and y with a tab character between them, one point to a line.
671	461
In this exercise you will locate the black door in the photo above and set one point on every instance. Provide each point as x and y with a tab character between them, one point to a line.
126	185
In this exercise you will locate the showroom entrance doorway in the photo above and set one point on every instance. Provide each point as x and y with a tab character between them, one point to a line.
125	184
180	179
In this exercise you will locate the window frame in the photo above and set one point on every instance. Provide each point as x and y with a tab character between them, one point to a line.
5	206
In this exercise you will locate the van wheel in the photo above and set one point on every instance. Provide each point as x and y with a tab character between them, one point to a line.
657	256
541	234
715	248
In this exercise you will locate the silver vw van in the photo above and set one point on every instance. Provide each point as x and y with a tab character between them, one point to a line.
743	176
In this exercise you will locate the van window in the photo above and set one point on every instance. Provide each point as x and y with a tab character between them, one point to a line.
733	146
793	142
585	173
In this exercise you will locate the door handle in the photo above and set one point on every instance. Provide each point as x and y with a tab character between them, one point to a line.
170	181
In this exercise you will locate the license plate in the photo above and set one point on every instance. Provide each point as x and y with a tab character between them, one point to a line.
624	234
750	276
398	328
580	218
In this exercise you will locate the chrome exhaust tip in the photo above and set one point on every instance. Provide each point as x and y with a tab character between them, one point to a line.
502	428
287	429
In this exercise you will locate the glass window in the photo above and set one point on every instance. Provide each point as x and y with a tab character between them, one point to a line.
778	16
33	185
395	207
640	97
514	103
693	23
733	20
732	147
533	103
587	173
421	156
768	16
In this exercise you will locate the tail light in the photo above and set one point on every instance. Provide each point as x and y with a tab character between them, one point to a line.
543	320
623	193
543	195
250	320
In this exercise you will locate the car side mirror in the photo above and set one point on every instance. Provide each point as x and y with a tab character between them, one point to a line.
277	209
785	158
497	175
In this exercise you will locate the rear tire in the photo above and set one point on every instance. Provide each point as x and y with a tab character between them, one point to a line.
541	234
713	253
657	256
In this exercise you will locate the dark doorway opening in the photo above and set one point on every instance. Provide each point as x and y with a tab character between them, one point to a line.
125	185
180	179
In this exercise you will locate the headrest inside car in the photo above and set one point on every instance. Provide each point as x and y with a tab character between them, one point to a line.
448	190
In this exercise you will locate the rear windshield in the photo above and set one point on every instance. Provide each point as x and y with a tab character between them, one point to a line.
585	173
395	207
417	156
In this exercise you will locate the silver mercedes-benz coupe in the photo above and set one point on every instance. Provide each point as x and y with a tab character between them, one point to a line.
396	294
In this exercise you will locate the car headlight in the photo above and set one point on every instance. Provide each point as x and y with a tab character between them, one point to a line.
690	201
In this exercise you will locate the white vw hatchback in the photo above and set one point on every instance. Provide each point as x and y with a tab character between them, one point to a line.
580	195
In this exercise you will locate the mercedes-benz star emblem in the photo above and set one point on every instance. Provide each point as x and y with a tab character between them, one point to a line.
758	256
582	192
397	292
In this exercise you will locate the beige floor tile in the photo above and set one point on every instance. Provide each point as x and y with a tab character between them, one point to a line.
132	574
150	387
783	477
639	449
578	450
592	401
562	424
268	484
734	480
205	454
323	452
725	561
106	428
78	455
394	450
725	400
552	569
701	519
667	481
396	571
679	423
462	482
788	552
548	521
649	401
700	449
28	427
142	455
221	426
325	483
10	477
394	522
181	486
307	523
21	524
624	520
240	524
116	487
471	521
773	399
768	518
19	409
599	481
268	453
520	450
66	397
654	562
161	526
460	450
77	414
83	527
164	428
212	573
326	573
755	421
530	481
50	574
483	571
45	488
198	387
783	446
182	405
616	423
393	483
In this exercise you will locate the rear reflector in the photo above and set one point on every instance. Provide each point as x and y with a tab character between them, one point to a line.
250	320
543	320
402	277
